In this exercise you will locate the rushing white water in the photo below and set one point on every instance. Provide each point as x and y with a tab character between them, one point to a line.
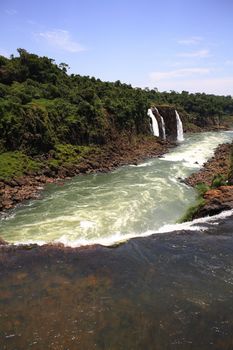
155	125
163	127
180	135
162	123
105	208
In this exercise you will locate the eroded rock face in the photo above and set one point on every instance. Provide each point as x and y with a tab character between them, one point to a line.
217	200
169	115
2	242
208	121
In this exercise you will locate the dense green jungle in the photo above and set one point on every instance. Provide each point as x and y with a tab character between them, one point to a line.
48	117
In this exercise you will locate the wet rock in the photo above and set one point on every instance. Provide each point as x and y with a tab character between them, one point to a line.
2	242
7	204
210	210
11	183
218	164
121	151
83	167
21	181
216	201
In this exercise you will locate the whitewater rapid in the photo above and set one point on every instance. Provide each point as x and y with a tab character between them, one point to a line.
107	208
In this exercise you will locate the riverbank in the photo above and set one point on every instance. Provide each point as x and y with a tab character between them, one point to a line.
123	151
106	208
216	174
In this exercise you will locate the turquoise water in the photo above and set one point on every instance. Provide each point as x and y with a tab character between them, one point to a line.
105	208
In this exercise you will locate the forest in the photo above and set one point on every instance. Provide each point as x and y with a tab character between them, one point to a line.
44	109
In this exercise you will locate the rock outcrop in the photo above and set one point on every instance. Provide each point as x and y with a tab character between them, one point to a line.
219	164
169	116
220	198
124	151
166	117
216	201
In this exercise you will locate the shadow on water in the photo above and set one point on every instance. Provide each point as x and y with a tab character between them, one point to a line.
167	291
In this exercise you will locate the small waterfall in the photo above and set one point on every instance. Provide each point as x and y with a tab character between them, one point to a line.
162	122
155	125
180	135
163	127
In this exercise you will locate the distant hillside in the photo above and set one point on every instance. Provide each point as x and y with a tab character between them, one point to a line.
41	106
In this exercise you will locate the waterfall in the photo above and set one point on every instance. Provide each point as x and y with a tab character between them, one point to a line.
162	122
155	125
180	135
163	127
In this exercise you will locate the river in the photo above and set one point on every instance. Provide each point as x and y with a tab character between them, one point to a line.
160	292
106	208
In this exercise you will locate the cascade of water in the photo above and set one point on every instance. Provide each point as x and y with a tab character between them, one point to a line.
162	122
155	125
180	135
163	127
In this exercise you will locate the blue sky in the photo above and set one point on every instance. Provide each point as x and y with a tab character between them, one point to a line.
172	45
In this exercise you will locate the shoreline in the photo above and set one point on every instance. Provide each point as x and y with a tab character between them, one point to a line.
216	176
124	150
216	200
19	189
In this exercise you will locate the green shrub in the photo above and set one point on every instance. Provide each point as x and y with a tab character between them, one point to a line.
67	153
192	210
218	180
16	164
202	188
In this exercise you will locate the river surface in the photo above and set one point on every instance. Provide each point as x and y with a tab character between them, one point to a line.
167	291
160	292
106	208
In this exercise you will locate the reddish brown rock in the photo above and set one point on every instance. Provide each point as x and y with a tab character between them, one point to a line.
2	242
216	200
123	151
219	164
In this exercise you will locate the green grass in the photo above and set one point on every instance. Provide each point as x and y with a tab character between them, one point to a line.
16	164
192	210
218	180
201	189
13	164
67	153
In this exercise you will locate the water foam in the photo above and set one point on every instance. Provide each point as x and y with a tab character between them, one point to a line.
117	238
155	125
196	154
180	134
105	208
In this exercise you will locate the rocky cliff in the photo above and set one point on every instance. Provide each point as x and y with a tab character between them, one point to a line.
169	117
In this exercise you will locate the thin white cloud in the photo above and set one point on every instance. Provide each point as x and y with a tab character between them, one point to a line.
178	73
193	54
194	40
229	62
31	21
10	12
61	39
217	86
